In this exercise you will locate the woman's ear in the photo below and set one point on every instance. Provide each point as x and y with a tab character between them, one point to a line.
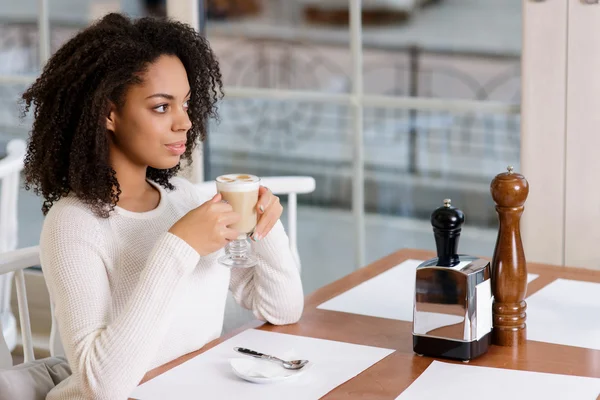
111	118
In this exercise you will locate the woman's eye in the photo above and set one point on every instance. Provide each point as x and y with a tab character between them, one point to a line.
186	105
162	108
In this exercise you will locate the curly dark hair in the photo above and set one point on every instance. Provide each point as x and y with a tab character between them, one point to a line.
68	148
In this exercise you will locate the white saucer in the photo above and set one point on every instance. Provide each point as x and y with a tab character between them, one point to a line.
261	371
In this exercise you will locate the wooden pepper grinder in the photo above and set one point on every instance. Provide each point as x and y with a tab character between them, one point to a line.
509	270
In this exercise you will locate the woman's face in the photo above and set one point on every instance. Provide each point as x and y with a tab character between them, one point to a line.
150	129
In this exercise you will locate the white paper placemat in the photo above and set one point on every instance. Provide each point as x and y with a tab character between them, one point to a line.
464	382
209	375
565	312
388	295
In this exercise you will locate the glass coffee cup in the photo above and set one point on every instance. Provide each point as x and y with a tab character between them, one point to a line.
241	192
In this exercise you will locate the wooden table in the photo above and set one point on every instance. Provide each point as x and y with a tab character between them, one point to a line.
392	375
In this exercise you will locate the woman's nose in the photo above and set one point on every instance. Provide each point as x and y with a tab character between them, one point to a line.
182	122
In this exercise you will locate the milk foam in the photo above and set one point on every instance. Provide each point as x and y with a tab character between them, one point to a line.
237	183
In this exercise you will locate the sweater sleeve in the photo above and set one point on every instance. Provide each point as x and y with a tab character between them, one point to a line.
273	289
108	356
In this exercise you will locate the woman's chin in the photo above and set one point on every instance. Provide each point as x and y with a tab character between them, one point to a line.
166	163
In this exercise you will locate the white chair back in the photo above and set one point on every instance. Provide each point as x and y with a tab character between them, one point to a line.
14	262
10	170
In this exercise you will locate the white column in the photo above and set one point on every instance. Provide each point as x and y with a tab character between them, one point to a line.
358	184
188	11
43	32
544	69
99	9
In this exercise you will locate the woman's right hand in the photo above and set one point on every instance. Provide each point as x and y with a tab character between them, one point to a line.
206	228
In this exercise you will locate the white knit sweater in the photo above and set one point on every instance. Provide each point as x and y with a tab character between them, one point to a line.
129	296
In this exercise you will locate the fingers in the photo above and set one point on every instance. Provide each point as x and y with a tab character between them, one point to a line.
216	204
265	198
265	224
230	234
221	207
229	218
262	190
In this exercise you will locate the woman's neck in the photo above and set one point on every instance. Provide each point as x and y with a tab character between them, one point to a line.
137	194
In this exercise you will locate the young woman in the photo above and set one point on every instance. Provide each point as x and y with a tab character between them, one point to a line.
129	251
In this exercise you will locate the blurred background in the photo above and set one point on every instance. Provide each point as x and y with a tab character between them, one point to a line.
454	66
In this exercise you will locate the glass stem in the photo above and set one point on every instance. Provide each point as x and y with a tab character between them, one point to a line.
238	248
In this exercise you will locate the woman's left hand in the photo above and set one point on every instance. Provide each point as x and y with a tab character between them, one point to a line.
269	210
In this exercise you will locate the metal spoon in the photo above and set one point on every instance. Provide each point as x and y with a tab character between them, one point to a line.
294	364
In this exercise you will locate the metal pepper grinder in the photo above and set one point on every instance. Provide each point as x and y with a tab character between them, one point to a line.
509	269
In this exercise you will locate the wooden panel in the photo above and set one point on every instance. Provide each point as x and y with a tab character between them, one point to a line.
583	137
543	128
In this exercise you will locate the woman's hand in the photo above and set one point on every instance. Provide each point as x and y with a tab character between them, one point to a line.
269	210
206	228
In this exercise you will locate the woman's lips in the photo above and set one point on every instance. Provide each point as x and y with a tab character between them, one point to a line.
176	148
